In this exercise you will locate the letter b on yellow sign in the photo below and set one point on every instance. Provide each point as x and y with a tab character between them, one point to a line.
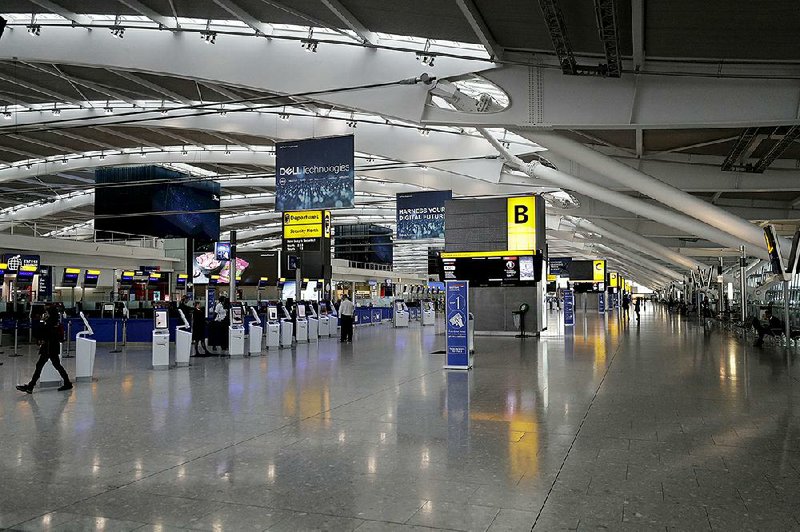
521	223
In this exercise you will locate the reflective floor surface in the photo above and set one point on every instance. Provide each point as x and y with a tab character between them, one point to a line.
657	426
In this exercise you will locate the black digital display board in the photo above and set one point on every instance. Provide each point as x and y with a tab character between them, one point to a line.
126	279
70	278
90	278
509	270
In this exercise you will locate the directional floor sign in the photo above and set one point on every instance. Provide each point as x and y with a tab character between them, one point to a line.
457	325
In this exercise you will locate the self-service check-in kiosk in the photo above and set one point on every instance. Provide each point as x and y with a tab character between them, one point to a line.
236	332
274	328
287	327
324	321
300	323
183	341
160	339
428	314
85	350
256	334
401	313
313	321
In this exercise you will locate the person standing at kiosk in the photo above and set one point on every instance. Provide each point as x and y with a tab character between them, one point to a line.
199	331
346	311
49	349
220	329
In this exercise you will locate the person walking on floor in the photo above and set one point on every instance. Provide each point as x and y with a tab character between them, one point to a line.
637	307
625	306
49	349
199	331
346	311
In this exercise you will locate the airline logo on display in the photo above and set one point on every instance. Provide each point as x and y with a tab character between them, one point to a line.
521	222
599	271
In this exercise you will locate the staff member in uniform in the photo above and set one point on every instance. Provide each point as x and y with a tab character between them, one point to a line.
346	310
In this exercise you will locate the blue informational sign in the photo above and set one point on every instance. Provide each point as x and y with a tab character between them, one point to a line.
601	302
421	214
315	174
559	265
569	307
457	325
212	301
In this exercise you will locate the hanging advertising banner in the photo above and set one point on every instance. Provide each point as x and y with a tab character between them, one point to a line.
315	174
420	215
559	266
457	293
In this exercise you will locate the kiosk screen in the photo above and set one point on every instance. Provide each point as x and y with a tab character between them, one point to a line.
301	311
160	316
272	313
236	315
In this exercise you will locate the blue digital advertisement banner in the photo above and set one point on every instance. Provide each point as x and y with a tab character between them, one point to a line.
421	214
457	293
315	174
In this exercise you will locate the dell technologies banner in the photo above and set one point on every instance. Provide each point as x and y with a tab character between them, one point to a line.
421	214
314	174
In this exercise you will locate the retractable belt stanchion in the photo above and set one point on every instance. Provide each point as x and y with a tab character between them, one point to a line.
16	340
69	340
116	349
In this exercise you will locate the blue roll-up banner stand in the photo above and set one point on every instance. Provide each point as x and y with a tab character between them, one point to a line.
601	302
457	325
569	308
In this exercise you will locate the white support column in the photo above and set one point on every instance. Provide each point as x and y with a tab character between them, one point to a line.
648	185
628	238
617	199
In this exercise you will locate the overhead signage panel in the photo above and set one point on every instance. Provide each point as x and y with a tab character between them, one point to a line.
315	174
420	215
521	221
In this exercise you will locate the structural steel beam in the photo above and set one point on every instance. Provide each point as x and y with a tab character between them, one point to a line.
637	33
81	20
554	20
242	14
351	21
171	23
478	24
605	12
41	90
152	86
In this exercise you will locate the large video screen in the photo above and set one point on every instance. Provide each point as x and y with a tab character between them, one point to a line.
315	174
154	201
251	266
420	215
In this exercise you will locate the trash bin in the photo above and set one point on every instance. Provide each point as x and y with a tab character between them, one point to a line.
519	319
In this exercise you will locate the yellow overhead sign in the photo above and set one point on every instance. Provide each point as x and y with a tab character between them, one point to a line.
480	254
599	271
302	217
521	222
72	270
612	279
551	277
302	231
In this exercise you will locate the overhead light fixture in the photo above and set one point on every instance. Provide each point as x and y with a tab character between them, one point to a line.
209	37
424	132
109	110
56	111
283	115
352	122
163	111
63	161
142	153
34	29
102	156
117	31
309	45
222	111
424	56
7	114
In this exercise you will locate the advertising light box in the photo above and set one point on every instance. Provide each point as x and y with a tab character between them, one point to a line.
420	215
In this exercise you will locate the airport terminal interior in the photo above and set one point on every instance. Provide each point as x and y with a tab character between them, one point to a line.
464	265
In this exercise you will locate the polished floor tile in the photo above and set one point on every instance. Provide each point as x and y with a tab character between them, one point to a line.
608	425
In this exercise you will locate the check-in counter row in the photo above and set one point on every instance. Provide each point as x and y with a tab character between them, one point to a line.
137	330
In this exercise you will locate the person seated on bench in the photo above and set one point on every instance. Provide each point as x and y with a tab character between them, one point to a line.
774	327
